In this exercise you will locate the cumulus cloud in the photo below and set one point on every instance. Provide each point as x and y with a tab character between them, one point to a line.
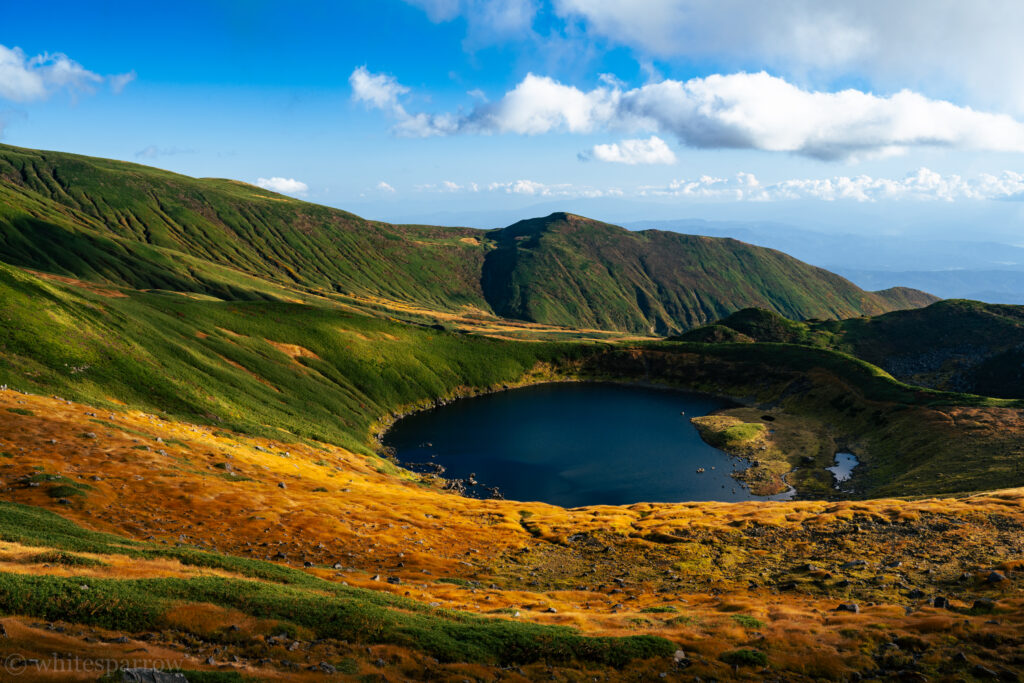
945	47
650	151
385	187
735	111
27	79
283	185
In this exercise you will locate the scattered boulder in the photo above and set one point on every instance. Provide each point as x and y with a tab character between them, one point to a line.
983	605
940	602
848	607
854	564
996	577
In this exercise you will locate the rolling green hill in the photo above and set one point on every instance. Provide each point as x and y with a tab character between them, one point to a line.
144	228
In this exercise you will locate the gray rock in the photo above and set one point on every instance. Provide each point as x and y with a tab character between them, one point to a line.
848	607
940	602
996	577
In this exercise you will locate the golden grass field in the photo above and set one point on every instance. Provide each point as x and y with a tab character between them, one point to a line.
712	577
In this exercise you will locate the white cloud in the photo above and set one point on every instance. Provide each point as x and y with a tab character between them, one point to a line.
382	91
758	111
650	151
27	79
738	111
944	47
385	187
539	104
283	185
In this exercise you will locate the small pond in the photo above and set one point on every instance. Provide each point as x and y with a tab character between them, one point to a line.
573	444
843	469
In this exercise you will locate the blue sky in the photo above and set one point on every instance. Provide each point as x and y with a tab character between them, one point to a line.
871	116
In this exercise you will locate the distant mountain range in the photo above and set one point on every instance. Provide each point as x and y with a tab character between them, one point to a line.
144	228
951	269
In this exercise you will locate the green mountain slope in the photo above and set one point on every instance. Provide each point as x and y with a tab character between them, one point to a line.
569	270
953	345
151	229
956	344
145	228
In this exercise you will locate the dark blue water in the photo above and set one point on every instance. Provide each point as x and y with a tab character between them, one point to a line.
574	444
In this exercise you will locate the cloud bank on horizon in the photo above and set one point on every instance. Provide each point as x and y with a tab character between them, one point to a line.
922	184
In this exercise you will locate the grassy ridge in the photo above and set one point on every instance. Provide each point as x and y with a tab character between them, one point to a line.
150	229
569	270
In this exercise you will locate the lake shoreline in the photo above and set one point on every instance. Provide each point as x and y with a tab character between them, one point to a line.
650	453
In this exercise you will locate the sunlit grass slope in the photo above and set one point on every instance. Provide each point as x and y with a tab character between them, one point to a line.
274	368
